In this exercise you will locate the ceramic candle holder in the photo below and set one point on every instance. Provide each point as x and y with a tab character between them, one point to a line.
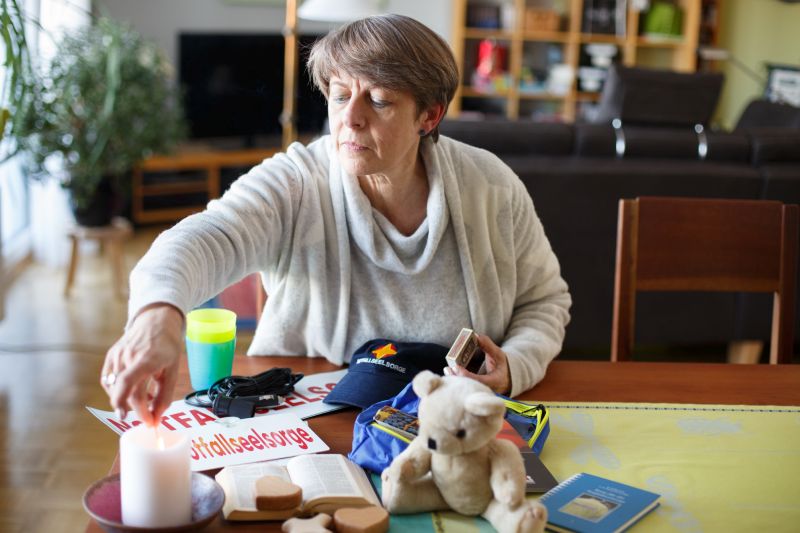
102	502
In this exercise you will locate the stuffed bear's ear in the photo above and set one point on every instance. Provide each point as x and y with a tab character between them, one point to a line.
484	404
425	383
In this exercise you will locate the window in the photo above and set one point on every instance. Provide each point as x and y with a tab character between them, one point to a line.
54	17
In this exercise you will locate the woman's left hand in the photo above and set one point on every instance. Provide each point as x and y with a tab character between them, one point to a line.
498	373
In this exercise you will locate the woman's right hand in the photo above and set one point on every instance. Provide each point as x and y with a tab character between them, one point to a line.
141	368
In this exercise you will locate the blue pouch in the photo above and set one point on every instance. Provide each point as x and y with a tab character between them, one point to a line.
375	447
530	421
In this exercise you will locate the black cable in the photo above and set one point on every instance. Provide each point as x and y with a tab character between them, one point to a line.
241	395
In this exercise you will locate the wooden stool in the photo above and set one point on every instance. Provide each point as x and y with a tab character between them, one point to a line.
111	238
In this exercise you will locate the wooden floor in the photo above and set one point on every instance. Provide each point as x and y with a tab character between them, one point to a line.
51	350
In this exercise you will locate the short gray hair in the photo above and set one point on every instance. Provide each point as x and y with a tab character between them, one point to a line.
392	51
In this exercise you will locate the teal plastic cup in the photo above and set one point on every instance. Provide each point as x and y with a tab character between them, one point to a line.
210	344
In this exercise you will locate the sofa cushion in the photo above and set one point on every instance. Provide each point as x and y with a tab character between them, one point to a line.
730	147
595	140
662	143
506	137
599	140
781	179
658	97
595	169
774	145
763	113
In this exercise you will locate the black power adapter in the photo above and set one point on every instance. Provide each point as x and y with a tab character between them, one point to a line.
240	396
244	406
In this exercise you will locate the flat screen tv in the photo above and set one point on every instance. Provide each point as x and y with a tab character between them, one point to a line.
233	88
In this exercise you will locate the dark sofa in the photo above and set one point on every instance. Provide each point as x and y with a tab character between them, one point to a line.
576	178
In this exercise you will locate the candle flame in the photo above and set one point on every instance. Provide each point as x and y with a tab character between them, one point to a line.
159	438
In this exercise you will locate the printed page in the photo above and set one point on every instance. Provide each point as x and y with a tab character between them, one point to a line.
243	479
305	402
323	475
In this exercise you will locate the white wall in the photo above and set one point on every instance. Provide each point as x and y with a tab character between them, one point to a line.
756	33
162	20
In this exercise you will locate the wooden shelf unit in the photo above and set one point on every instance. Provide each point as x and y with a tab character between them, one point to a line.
710	16
633	50
163	177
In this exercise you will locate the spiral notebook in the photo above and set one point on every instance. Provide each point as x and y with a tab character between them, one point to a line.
590	504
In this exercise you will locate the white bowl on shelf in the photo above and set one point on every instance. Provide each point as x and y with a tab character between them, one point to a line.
559	79
591	78
601	53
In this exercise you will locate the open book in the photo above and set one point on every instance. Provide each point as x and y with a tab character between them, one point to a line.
329	481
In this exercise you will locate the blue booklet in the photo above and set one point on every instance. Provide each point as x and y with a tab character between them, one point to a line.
589	504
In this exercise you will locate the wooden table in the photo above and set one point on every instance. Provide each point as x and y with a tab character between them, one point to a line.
579	381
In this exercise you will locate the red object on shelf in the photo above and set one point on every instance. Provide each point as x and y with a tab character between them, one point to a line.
492	58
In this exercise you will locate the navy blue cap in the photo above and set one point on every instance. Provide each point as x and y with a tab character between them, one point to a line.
380	368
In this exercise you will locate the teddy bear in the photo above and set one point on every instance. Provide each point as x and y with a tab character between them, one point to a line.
456	462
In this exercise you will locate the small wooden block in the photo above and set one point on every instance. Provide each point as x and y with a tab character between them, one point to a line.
318	524
371	519
275	494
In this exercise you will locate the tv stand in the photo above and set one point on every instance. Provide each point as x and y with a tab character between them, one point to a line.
169	188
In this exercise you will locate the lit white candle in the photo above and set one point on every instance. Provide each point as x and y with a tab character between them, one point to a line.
155	478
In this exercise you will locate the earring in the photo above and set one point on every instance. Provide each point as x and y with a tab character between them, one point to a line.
422	133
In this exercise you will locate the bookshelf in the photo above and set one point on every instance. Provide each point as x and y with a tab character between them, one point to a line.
710	15
507	50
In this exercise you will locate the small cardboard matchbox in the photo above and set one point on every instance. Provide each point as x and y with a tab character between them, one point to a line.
464	349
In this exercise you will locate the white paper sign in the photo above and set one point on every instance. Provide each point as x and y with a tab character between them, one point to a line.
253	439
271	434
305	402
230	441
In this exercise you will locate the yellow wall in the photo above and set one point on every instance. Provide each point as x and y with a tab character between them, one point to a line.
755	32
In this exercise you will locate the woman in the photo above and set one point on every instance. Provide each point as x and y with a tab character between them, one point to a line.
380	229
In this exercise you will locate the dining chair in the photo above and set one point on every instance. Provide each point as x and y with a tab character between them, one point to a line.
693	244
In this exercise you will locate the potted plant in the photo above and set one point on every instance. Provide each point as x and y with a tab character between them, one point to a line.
104	102
17	63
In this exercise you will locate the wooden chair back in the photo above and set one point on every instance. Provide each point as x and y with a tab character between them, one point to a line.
691	244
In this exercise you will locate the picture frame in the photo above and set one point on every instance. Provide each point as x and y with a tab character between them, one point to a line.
783	84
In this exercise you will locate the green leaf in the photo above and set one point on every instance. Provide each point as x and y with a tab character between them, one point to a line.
103	103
